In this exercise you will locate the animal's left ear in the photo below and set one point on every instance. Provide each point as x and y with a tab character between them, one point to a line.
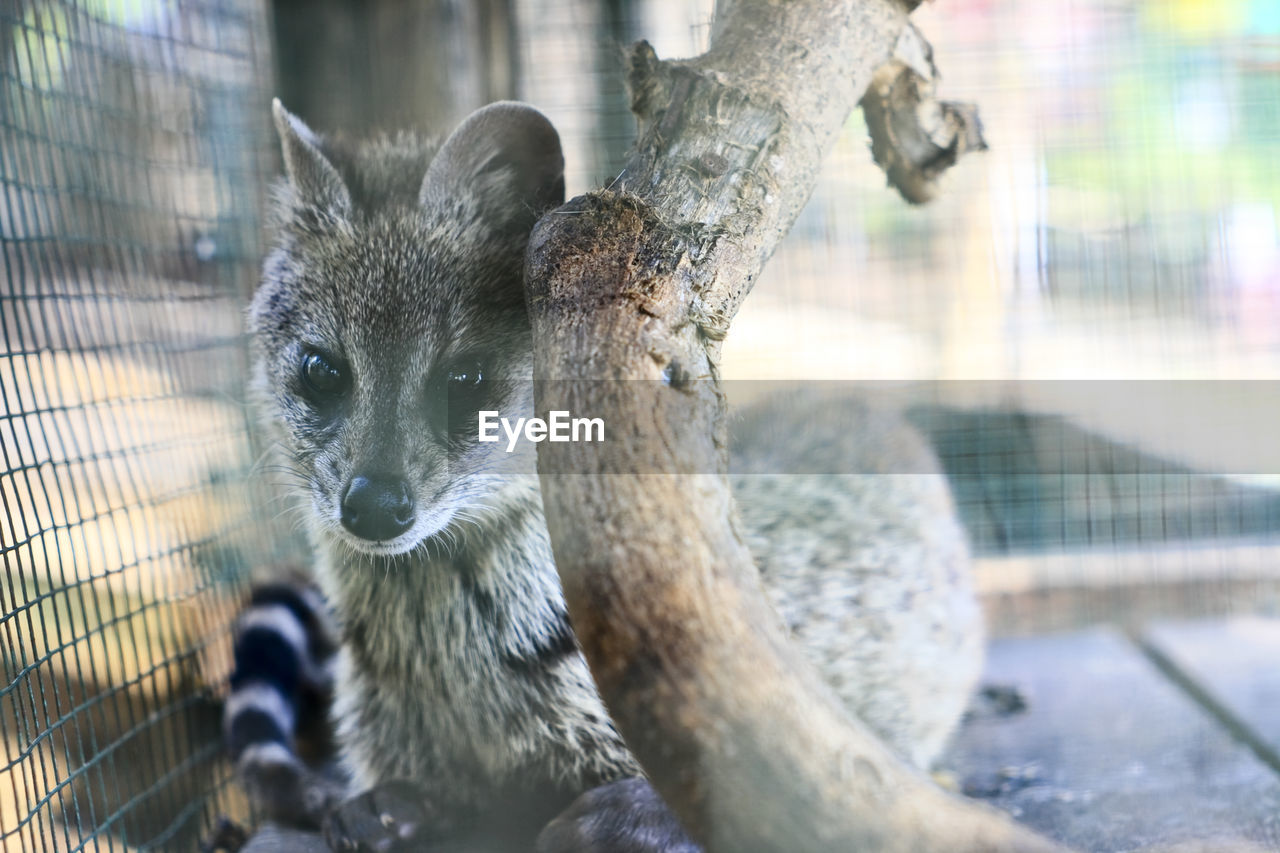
507	155
312	176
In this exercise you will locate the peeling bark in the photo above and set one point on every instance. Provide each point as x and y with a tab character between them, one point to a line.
914	136
639	282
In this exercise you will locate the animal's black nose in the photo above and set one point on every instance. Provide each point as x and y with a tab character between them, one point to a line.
377	508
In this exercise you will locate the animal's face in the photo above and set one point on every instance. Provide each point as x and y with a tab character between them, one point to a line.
392	311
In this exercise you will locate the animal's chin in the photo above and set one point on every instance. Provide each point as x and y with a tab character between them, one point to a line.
389	548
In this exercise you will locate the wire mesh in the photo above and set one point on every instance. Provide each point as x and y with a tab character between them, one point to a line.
132	155
1123	226
1104	275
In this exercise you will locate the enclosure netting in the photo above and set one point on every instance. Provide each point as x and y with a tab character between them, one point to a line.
1085	321
132	152
1123	226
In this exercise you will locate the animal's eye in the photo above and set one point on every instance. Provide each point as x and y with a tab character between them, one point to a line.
323	374
466	389
466	375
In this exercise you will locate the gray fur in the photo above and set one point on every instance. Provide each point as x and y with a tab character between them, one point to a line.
457	670
869	567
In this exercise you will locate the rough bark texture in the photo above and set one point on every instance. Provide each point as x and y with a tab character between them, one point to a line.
914	136
639	282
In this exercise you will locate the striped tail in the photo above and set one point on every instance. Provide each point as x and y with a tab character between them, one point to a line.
275	722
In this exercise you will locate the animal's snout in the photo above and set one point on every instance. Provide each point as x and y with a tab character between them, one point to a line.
377	508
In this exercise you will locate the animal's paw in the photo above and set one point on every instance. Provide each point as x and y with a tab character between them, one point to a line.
227	836
626	816
284	788
391	818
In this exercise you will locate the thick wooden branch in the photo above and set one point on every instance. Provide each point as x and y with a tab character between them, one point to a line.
631	290
731	142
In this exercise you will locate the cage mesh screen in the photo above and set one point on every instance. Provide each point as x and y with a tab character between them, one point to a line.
1123	226
131	150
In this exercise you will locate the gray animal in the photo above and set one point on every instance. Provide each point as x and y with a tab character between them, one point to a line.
391	311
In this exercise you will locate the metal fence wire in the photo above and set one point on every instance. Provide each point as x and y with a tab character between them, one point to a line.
132	155
1095	240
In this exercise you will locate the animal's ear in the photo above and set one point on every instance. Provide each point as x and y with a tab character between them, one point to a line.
313	177
507	156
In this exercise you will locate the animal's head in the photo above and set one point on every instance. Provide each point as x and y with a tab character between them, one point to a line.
392	309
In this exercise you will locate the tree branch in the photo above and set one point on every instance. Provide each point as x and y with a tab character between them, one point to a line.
631	290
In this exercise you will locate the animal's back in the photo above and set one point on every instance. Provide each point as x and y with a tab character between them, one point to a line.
852	525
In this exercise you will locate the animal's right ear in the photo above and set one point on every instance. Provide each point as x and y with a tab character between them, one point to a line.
507	156
313	177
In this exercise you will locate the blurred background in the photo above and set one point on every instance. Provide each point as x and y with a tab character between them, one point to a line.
1086	323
